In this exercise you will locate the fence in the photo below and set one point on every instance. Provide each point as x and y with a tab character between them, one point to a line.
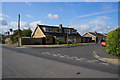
31	41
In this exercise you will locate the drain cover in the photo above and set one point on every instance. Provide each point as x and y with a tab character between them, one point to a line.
78	73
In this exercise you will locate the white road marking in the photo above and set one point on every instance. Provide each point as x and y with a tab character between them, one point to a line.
96	60
47	53
59	54
90	61
66	56
83	58
78	59
104	63
72	57
43	53
55	55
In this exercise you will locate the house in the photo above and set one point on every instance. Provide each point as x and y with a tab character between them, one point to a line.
51	34
15	33
12	38
1	38
95	36
86	39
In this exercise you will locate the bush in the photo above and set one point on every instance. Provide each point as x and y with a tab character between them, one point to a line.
14	39
59	42
113	42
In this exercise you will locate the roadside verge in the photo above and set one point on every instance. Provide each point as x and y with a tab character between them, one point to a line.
107	60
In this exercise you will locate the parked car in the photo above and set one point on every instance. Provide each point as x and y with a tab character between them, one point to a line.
103	43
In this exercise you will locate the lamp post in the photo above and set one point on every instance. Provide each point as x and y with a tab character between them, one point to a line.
19	30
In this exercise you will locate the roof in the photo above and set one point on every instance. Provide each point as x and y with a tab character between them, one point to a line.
54	26
97	34
60	34
57	34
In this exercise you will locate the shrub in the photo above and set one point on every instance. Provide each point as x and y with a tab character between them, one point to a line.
59	42
14	39
113	42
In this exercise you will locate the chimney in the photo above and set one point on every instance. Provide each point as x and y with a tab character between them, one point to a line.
60	26
95	32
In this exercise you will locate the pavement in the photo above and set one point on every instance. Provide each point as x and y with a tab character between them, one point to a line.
106	57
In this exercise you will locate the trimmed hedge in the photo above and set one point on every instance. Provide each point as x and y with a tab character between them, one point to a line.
113	42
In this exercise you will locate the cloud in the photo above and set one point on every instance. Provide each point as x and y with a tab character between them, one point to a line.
3	21
98	13
34	23
53	16
14	25
4	16
28	3
29	16
99	24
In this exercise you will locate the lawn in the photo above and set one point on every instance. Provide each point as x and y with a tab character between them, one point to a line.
74	44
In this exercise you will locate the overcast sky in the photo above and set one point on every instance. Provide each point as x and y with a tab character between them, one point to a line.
83	16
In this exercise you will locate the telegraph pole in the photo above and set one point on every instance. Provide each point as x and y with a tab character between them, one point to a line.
19	30
67	35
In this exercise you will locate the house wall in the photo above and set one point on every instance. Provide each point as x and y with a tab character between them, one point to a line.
38	33
93	37
49	40
78	39
53	29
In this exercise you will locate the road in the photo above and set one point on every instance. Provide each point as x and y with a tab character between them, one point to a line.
73	62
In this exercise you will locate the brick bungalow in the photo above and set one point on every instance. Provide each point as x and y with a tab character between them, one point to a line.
95	36
51	34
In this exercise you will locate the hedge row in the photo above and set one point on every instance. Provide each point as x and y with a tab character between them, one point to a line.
113	42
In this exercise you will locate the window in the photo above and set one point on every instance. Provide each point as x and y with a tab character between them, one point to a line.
74	31
48	30
58	30
65	30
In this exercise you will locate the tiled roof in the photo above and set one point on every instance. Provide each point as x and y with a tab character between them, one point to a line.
54	26
97	34
57	34
60	34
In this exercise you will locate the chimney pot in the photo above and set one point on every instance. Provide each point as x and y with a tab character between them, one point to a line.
60	26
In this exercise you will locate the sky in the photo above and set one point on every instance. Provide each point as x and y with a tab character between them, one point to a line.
83	16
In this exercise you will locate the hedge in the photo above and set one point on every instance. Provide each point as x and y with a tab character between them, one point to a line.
113	42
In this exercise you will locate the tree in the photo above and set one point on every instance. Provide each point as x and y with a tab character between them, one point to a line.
26	32
113	42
